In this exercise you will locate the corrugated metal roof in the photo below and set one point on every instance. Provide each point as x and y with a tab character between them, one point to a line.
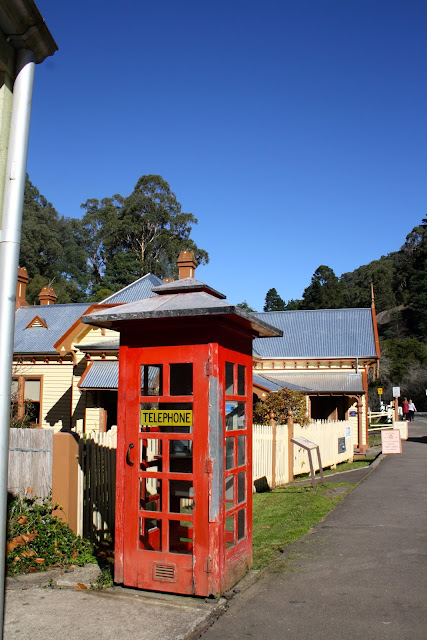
317	381
138	290
324	333
103	374
58	317
264	382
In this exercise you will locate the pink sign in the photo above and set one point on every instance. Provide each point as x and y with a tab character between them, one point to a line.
391	442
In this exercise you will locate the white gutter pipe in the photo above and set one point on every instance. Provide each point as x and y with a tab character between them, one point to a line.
10	241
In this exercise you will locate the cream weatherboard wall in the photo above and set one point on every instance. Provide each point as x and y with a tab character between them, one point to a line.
55	390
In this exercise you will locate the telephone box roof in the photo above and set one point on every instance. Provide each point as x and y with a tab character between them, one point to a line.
189	298
187	285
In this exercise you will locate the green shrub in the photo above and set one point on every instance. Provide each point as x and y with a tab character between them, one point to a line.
38	540
281	403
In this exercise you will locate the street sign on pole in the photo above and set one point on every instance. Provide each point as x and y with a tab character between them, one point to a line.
396	392
380	391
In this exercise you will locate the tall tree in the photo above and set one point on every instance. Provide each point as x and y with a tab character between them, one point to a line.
293	305
144	232
100	227
52	249
244	305
273	302
154	228
324	291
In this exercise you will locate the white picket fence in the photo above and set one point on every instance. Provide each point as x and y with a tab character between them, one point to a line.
324	434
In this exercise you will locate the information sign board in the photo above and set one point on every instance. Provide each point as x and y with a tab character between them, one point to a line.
380	391
308	446
341	445
391	442
304	443
396	392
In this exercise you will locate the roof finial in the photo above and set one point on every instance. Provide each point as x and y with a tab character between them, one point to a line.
47	295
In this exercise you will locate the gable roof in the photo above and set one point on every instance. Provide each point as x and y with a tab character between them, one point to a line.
137	290
323	333
63	320
38	339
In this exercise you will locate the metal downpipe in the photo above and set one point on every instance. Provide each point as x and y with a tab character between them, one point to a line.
10	241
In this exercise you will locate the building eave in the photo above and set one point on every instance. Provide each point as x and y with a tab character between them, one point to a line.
24	28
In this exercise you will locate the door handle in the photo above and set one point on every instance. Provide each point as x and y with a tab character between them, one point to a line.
128	460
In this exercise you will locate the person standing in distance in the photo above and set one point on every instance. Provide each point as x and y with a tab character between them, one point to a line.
405	408
412	409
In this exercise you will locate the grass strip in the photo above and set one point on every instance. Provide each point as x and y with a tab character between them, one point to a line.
342	466
285	514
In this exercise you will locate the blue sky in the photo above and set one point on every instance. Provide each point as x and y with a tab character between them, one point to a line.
294	131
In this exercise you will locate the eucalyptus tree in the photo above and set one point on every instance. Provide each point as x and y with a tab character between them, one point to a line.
127	237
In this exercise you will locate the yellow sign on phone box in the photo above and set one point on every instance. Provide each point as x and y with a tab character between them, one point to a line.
167	417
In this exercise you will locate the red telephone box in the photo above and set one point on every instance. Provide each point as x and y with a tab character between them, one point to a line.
184	452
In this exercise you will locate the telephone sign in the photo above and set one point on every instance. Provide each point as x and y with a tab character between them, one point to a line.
168	417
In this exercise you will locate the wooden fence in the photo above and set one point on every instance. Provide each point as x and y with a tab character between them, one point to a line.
377	417
30	462
97	485
330	436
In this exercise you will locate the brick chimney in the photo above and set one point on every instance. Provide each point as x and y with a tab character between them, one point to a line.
47	296
21	287
186	264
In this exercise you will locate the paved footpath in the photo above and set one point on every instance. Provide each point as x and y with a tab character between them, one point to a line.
361	573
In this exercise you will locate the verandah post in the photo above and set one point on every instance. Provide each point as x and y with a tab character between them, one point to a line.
290	446
273	449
